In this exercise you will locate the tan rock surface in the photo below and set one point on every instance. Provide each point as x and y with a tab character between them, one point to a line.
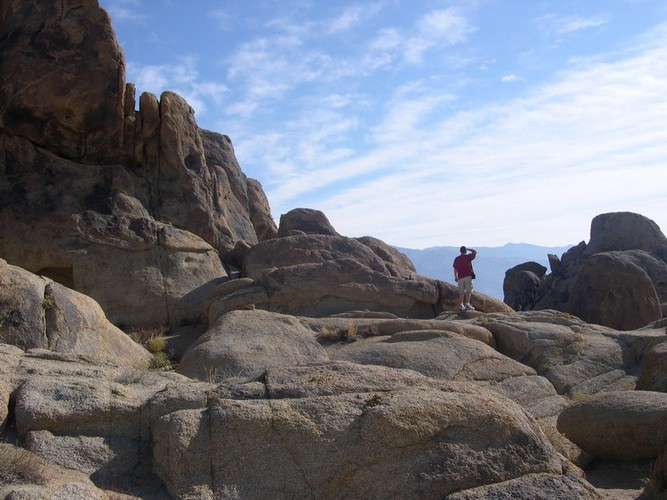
38	313
627	425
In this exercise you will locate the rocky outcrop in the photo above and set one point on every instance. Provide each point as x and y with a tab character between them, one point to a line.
147	199
609	284
62	79
521	284
314	271
305	221
236	345
622	268
39	313
654	372
577	358
377	429
427	408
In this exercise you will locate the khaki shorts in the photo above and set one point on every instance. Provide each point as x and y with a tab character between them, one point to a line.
465	284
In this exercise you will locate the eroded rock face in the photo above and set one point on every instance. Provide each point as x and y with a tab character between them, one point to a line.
62	78
145	198
618	279
305	220
237	345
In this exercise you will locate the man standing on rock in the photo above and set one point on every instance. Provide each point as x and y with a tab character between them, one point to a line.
463	276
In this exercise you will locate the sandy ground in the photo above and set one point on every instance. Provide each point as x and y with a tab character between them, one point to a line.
620	481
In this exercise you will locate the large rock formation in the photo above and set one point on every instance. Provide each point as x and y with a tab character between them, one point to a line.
484	392
144	198
309	269
146	213
623	268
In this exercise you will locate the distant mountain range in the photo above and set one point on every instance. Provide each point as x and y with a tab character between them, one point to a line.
490	265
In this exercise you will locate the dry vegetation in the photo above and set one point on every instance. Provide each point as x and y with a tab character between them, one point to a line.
154	340
20	466
348	334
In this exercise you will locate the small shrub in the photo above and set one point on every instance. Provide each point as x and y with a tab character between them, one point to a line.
212	375
577	396
156	343
350	332
142	334
160	360
328	334
154	340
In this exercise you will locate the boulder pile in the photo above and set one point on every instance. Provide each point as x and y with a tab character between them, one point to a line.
618	279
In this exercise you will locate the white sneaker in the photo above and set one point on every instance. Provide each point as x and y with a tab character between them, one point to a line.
469	307
462	307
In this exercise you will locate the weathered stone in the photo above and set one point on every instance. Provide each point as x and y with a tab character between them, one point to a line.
86	181
627	425
623	268
108	459
22	318
246	298
414	442
81	406
625	231
391	256
376	327
260	211
85	232
246	343
305	220
46	48
521	284
40	479
574	356
38	313
654	371
608	286
530	487
182	453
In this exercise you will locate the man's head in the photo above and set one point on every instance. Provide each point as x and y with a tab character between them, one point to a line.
463	250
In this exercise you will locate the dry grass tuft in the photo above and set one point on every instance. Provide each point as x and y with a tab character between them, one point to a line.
348	334
20	466
154	340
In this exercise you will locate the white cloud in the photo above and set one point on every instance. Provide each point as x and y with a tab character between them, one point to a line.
125	10
436	29
445	26
537	168
510	78
564	25
350	17
182	78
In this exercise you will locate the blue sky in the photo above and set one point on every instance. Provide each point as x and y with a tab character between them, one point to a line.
424	123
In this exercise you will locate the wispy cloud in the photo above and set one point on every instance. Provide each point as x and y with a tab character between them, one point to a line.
351	17
562	155
181	77
375	127
563	25
125	10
